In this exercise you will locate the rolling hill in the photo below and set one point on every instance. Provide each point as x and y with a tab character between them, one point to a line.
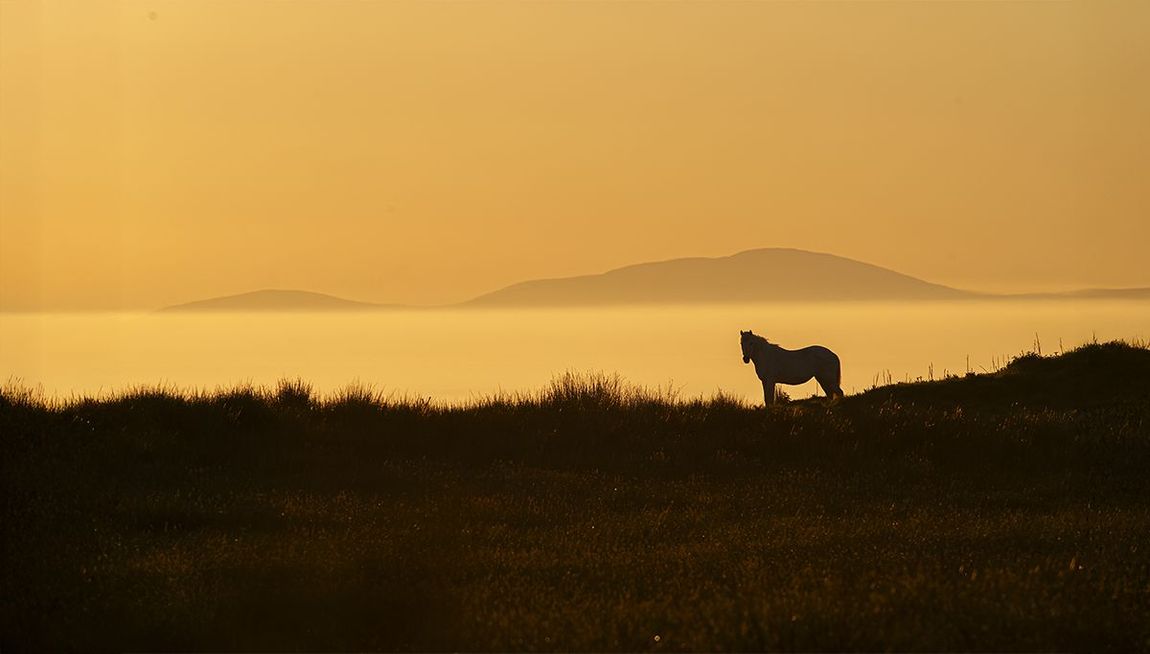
276	300
763	275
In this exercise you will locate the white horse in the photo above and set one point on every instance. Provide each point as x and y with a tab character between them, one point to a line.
775	365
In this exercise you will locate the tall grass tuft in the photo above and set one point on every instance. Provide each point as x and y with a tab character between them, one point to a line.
294	394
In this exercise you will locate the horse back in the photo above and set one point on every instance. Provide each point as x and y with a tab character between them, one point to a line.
819	352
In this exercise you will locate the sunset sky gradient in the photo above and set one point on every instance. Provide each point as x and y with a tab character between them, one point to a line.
158	152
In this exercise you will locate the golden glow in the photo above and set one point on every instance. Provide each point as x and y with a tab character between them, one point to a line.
158	152
457	355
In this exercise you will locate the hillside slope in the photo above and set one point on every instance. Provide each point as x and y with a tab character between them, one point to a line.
769	274
1091	375
276	300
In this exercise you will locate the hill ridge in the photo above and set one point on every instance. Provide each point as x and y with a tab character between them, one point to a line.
275	299
732	278
806	276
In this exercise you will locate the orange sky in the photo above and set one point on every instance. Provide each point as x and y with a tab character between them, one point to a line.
157	152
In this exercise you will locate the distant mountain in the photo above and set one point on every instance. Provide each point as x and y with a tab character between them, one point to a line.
277	300
764	275
1095	294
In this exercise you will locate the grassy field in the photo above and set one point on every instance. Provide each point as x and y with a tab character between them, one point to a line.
1008	511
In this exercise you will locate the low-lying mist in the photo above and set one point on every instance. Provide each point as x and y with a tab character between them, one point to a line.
459	355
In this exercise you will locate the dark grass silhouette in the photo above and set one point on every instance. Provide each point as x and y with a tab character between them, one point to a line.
993	512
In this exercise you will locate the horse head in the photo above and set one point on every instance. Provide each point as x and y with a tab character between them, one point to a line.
747	341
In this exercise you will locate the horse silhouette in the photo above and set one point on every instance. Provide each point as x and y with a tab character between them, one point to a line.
776	365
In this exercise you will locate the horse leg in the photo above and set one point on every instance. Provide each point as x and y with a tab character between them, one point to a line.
768	392
830	387
827	386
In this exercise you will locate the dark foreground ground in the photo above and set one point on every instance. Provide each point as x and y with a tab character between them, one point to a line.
998	512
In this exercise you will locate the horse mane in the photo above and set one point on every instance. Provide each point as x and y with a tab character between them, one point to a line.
758	339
